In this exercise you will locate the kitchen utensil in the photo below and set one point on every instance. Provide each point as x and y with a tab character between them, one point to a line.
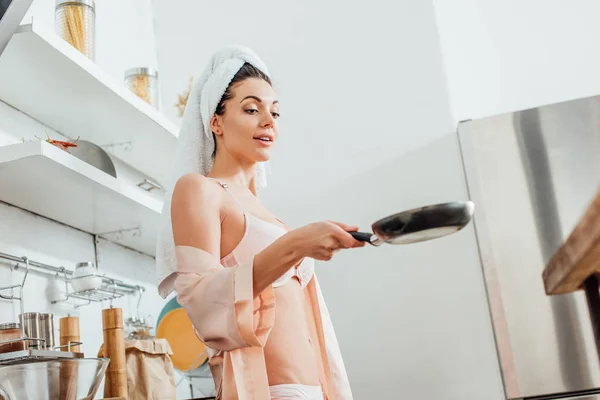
31	322
69	332
94	155
56	290
10	331
44	380
189	352
114	349
419	224
47	329
85	277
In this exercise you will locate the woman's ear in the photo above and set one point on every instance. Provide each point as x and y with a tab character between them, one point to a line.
216	125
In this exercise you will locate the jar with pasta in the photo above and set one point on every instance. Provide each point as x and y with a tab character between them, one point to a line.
144	83
75	22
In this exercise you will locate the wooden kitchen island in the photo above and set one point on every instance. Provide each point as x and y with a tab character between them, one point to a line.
576	265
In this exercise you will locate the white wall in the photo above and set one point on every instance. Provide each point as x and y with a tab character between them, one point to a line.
366	130
412	320
503	56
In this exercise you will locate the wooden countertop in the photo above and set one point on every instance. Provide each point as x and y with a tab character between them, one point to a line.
578	257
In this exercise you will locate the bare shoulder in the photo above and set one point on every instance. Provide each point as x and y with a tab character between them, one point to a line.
196	212
197	189
196	196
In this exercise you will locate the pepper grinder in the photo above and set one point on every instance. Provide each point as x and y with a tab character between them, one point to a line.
114	349
69	332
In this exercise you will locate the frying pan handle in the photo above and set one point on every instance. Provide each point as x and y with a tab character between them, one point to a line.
362	236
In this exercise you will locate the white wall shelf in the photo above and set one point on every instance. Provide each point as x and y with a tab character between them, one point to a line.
46	180
48	79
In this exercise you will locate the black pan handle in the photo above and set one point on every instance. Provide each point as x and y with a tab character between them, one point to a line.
362	236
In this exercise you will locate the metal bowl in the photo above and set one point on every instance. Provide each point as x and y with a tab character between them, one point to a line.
72	379
94	155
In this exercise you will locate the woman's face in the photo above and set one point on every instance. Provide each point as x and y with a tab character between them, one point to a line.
248	128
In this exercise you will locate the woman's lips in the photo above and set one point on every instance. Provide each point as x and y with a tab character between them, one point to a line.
265	143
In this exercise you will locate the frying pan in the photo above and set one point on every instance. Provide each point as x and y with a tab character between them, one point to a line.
419	224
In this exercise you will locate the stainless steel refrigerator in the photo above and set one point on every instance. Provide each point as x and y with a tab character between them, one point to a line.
532	174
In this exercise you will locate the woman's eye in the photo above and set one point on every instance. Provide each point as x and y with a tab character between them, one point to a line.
251	111
275	115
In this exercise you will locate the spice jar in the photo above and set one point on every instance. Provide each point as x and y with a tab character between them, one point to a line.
85	277
75	22
144	83
11	332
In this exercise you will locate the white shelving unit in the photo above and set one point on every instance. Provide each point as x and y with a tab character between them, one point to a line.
48	181
46	78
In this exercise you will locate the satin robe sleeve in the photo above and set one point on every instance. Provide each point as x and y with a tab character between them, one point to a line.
220	301
339	385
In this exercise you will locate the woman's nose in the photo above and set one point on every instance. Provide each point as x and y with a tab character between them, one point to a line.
268	121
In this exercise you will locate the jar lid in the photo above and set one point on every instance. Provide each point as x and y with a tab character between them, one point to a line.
30	315
10	325
141	71
76	2
46	315
84	264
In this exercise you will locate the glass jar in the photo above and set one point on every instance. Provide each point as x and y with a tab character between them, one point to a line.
85	277
10	333
75	22
144	83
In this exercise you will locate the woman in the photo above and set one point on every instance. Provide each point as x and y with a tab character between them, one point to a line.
245	279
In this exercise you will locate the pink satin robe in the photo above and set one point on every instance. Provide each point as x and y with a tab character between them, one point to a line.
218	296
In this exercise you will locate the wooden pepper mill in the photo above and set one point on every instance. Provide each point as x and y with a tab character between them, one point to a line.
114	348
69	332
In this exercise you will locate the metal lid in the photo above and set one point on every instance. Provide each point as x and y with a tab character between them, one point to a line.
30	315
46	315
10	325
76	2
141	71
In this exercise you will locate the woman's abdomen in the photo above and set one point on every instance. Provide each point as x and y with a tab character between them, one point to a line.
289	353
